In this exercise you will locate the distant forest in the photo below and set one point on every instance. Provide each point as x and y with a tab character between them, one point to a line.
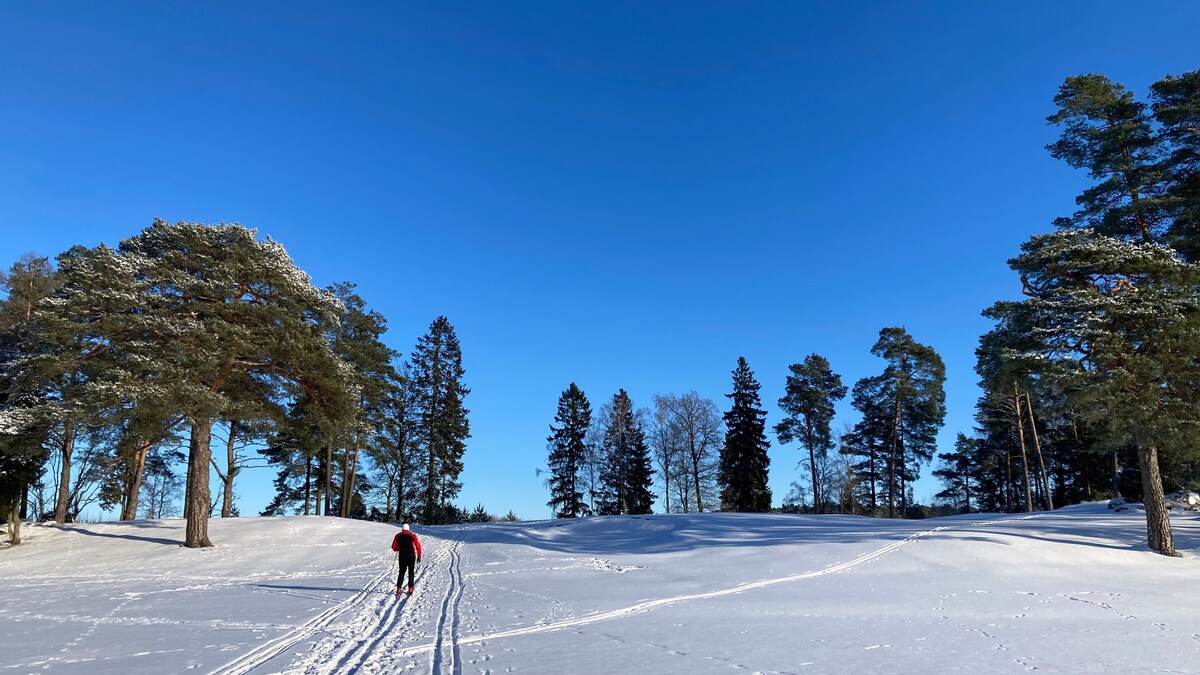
112	359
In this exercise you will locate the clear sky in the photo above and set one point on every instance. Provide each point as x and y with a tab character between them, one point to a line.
623	195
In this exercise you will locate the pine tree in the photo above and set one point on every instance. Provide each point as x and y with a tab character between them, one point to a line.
444	428
1117	325
910	394
358	341
867	448
1109	133
744	460
808	404
568	448
626	474
959	472
1175	101
218	302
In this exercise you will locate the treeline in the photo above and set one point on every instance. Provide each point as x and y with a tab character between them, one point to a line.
703	460
1091	384
112	358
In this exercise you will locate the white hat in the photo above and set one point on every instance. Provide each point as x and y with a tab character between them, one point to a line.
404	526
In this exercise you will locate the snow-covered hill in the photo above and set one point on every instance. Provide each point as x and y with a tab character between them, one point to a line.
1071	591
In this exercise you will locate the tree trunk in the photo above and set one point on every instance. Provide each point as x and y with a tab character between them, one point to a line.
328	476
230	471
12	512
812	469
198	497
892	464
307	482
1158	523
1024	455
1008	481
1037	446
351	473
874	478
64	482
137	474
1116	476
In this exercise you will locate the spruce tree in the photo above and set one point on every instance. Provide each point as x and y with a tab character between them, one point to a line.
627	473
439	396
397	453
568	450
811	392
744	460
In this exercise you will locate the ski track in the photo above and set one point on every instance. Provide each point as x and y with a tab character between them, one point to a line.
370	642
259	656
450	614
652	604
363	643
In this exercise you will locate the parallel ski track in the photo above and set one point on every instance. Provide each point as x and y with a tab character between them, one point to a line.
449	614
643	606
351	656
264	653
362	644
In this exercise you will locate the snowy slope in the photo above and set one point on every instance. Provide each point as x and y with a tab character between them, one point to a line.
1071	591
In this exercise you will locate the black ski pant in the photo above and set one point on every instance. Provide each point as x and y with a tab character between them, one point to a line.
409	564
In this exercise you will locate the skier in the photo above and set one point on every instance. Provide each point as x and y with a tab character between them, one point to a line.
408	547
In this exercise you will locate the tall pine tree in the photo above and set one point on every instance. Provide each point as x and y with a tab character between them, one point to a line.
744	460
812	390
907	403
568	451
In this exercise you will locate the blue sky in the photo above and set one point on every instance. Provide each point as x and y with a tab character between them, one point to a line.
623	195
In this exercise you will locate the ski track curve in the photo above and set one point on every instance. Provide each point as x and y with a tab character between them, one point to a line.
652	604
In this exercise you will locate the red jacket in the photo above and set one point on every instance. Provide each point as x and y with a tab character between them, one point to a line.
407	544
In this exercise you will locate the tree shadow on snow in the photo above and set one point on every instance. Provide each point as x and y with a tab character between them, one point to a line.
615	535
133	537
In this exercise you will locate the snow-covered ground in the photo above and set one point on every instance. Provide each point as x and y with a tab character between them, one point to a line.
1071	591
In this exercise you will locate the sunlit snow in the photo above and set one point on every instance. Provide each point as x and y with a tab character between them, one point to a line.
1071	591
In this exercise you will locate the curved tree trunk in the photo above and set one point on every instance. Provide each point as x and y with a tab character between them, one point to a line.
198	496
